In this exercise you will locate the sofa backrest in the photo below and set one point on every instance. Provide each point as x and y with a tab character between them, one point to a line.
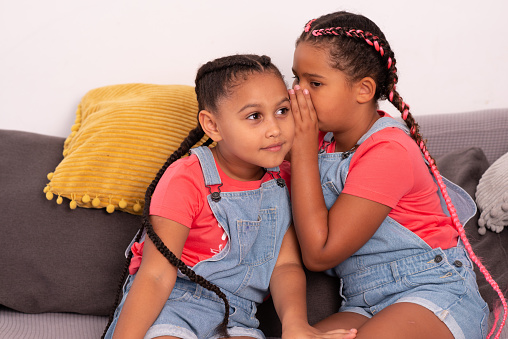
486	129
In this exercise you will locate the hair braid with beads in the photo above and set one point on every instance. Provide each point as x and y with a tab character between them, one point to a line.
359	48
215	80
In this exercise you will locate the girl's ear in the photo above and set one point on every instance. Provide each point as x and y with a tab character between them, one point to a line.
208	122
366	89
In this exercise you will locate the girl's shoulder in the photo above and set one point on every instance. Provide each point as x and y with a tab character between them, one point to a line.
185	170
190	162
179	194
391	147
391	133
394	138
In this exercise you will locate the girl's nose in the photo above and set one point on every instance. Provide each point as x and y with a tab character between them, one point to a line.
273	129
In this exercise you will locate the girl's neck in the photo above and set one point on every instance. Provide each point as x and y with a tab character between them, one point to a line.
346	140
237	170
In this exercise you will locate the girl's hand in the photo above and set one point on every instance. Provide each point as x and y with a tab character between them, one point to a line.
306	122
306	331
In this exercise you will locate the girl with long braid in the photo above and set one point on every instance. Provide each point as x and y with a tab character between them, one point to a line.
216	235
369	204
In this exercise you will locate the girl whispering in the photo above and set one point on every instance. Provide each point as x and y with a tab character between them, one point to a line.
216	234
369	204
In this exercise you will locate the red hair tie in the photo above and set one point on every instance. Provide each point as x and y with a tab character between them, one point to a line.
404	114
376	45
307	27
317	32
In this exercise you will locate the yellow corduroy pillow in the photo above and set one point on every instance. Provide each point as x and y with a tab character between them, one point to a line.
122	136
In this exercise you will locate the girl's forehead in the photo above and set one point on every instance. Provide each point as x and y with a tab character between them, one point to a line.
262	87
311	55
306	48
257	79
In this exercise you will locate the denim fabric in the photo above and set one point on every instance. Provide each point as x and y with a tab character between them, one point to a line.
396	265
194	312
255	222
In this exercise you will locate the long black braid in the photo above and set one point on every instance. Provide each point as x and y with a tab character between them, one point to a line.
215	80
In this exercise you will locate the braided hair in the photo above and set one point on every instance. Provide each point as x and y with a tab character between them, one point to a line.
358	47
215	80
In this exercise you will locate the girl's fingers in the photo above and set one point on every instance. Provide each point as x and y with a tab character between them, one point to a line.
310	105
301	104
344	334
294	105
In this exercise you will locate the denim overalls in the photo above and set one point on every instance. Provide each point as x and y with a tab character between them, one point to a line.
396	265
255	222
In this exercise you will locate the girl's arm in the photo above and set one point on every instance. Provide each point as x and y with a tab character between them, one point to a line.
288	284
288	289
326	237
154	281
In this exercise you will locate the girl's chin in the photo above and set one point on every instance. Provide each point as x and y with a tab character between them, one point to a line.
272	163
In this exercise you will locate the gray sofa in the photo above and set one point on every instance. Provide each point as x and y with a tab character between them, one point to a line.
60	267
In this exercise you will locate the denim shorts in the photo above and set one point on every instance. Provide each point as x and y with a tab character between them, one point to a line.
193	312
442	281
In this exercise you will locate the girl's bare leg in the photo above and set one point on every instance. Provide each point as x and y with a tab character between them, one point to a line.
401	320
341	320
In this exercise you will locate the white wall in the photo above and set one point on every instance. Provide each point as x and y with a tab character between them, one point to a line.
452	55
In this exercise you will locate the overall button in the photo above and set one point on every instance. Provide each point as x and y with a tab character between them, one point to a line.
438	258
457	263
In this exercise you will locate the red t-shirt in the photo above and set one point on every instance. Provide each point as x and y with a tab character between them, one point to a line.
181	196
388	168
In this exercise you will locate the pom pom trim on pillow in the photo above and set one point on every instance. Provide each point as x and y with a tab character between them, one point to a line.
122	136
492	197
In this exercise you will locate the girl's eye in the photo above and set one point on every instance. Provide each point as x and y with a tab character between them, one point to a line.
254	116
315	84
296	80
282	111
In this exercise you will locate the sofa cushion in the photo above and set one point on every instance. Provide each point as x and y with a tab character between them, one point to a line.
465	168
122	136
54	259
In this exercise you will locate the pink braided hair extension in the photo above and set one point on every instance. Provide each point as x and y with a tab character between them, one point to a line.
397	101
463	237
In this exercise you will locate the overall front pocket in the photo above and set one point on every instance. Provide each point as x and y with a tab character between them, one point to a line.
257	238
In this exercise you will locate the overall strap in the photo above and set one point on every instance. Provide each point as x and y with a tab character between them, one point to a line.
273	169
207	162
380	124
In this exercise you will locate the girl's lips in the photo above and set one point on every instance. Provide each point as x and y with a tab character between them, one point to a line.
273	148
